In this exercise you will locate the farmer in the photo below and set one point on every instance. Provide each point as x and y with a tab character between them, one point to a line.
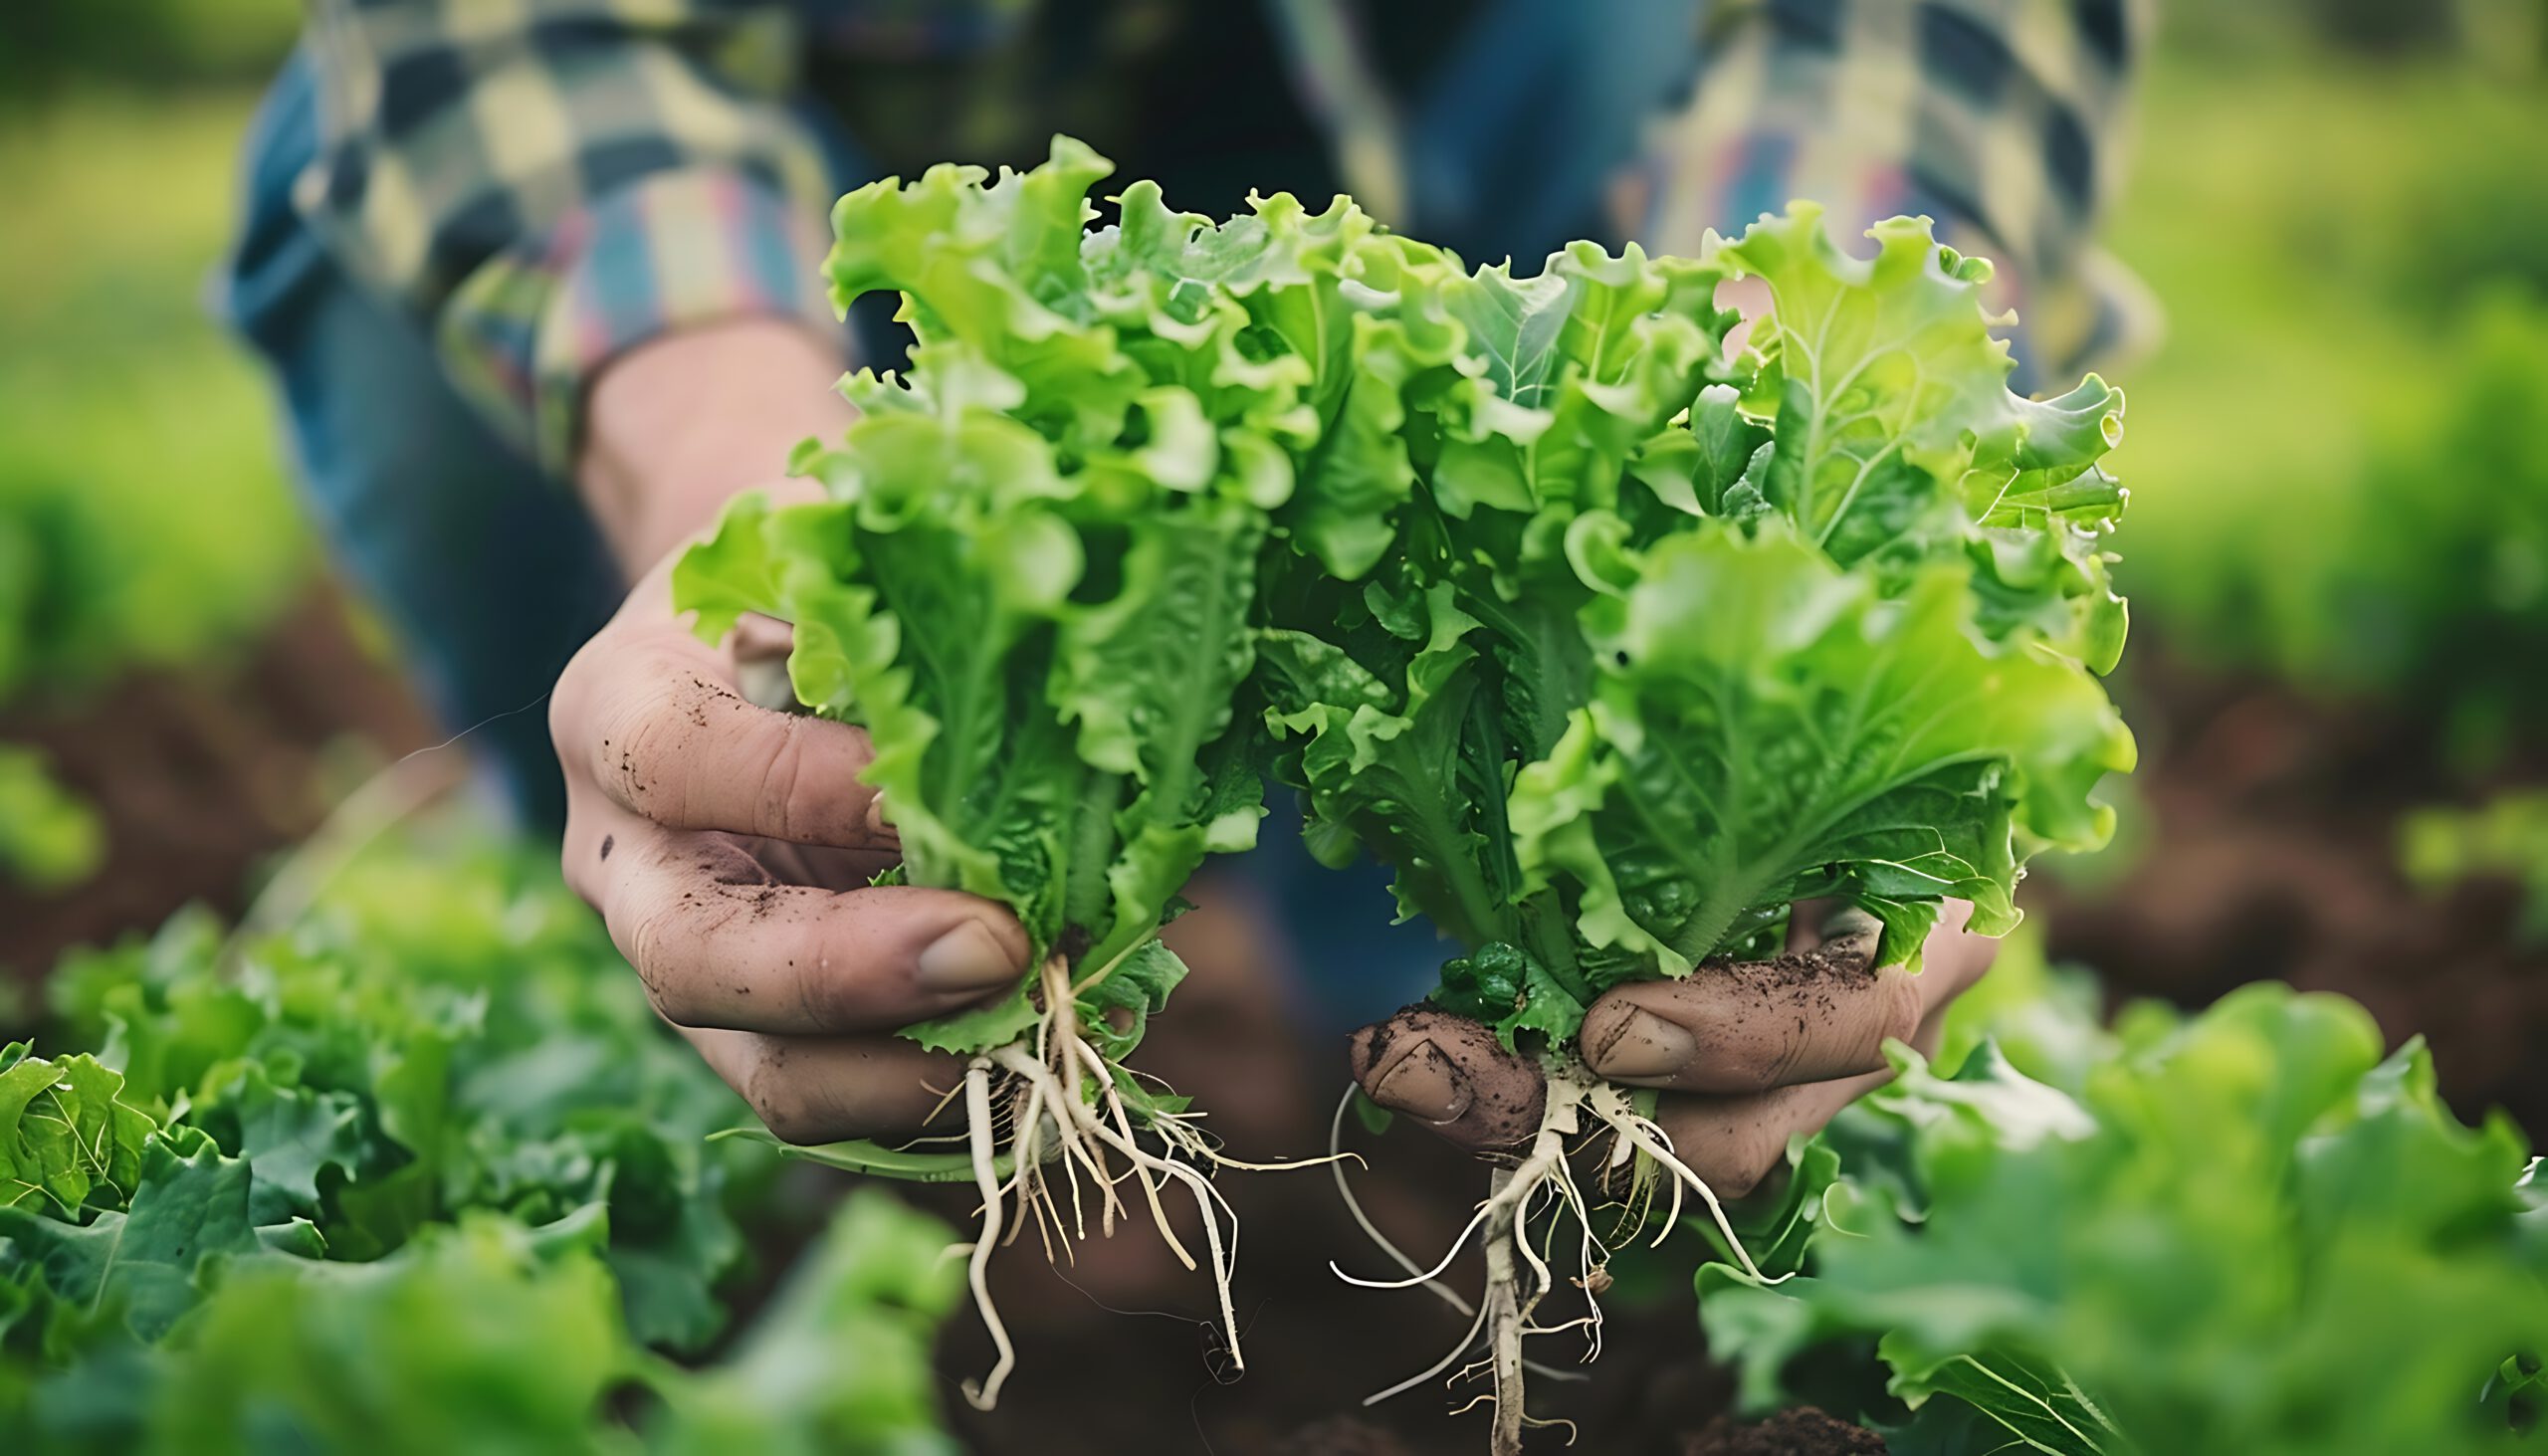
538	283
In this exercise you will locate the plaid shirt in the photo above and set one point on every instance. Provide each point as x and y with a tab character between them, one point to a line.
546	183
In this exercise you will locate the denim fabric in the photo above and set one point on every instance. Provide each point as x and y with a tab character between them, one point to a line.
490	575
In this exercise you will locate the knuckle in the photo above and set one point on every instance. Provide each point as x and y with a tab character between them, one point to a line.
1898	1009
570	698
636	749
1773	1062
829	994
1746	1163
1739	1159
654	937
576	869
779	1100
783	776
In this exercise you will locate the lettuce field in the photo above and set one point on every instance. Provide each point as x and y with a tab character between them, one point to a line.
1644	647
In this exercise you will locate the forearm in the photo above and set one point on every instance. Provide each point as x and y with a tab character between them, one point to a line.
675	428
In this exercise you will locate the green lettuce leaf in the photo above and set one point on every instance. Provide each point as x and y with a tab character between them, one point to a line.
69	1144
1765	726
2253	1235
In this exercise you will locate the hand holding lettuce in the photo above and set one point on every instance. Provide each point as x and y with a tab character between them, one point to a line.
1612	647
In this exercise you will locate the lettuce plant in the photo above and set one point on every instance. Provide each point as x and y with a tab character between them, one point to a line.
2249	1232
418	1170
1035	581
1672	639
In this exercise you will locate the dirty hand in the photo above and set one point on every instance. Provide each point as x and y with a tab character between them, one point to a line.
1744	1053
730	849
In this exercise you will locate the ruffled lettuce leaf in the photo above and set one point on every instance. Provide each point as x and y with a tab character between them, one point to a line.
1033	580
1897	436
1611	645
68	1142
2253	1235
1765	726
1823	619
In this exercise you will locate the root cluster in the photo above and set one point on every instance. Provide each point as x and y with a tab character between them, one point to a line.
1052	1111
1527	1207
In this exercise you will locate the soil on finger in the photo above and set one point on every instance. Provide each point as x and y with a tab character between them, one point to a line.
1507	1095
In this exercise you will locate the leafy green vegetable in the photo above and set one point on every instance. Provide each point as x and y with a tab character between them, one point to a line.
1034	577
1765	728
421	1171
840	1360
492	1336
448	1029
2251	1234
2507	837
50	838
1671	641
67	1138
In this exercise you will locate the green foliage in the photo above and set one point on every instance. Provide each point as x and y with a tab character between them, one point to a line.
143	516
1034	579
2247	1233
1669	641
1610	646
422	1170
2351	262
67	1138
2504	838
447	1030
496	1336
50	838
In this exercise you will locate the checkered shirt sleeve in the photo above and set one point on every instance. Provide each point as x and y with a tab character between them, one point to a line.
2002	119
546	183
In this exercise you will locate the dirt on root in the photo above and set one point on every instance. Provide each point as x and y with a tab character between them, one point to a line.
200	774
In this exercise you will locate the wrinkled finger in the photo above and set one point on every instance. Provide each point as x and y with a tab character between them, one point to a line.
1803	1016
1815	1013
809	1090
1450	1073
1735	1143
719	943
673	743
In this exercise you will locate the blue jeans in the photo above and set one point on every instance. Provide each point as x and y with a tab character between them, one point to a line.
489	572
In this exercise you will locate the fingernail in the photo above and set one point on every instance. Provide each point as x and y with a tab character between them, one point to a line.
1423	1084
1643	1045
966	959
876	823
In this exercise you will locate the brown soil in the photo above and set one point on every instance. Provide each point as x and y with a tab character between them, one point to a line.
2270	853
1804	1431
199	774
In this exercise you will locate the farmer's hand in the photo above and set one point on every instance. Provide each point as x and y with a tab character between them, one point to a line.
728	846
1747	1054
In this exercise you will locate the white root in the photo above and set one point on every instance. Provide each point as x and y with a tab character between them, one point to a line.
1506	1311
1519	1273
978	1113
1646	1136
1058	1115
